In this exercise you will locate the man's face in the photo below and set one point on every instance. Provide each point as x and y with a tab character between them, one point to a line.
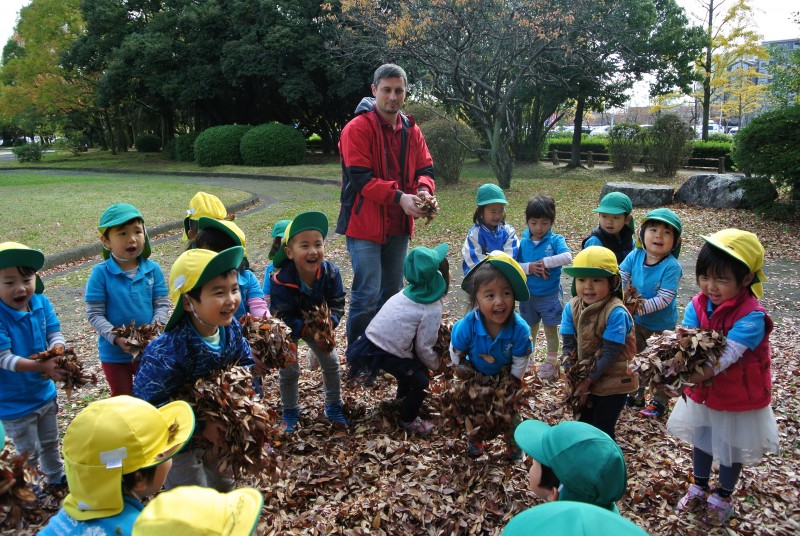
389	95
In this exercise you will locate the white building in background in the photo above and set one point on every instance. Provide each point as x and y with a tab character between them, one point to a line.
788	45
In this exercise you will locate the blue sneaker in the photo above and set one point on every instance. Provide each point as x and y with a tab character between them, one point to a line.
335	414
291	417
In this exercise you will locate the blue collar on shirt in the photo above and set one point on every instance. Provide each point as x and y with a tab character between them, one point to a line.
527	234
114	268
480	328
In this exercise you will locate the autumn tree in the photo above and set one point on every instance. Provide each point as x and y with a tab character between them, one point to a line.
742	94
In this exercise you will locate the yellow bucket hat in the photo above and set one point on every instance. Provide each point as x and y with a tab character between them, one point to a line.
508	267
228	227
194	268
196	511
594	261
203	204
16	254
114	437
744	247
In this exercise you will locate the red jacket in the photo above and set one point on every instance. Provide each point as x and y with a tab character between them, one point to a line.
747	384
365	193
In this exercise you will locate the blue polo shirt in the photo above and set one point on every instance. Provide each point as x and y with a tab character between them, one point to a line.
126	299
25	334
617	327
249	288
63	524
530	251
470	336
648	280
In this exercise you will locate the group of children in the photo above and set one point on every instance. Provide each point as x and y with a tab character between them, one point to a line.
211	287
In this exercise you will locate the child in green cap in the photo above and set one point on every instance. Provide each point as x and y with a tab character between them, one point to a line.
400	339
127	288
616	228
29	325
570	519
489	231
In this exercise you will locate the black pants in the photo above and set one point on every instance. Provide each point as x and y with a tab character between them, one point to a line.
603	411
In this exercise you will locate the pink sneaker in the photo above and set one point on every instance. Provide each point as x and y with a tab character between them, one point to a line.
695	499
418	427
719	509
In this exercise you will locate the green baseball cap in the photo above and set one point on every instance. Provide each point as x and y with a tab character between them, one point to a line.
421	269
279	229
16	254
587	462
508	267
616	203
488	194
119	214
303	222
569	518
664	215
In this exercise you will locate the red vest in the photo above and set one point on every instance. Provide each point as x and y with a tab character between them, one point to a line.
747	384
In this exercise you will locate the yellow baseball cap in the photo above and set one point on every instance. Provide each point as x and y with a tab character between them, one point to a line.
194	268
594	261
744	247
16	254
196	511
228	227
508	267
203	204
113	437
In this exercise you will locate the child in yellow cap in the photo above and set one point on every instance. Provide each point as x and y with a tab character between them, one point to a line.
117	451
202	204
726	415
595	325
194	511
201	336
127	288
29	325
493	336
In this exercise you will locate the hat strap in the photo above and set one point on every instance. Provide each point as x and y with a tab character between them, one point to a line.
191	306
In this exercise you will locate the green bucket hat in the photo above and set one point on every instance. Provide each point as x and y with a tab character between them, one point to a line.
568	518
664	215
421	270
616	203
488	194
303	222
16	254
194	268
587	462
509	268
119	214
278	230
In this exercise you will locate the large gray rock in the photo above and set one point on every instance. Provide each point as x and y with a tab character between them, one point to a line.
642	195
718	191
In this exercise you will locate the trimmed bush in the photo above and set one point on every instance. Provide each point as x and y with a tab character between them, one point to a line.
218	146
184	147
719	136
29	152
711	149
442	137
667	145
273	144
148	143
422	112
595	144
625	145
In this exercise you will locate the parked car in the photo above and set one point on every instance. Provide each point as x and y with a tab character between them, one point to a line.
733	130
601	130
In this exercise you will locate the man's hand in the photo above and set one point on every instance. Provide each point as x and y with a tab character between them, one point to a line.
408	204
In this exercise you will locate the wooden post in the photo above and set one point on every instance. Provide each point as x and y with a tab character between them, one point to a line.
589	159
555	157
721	164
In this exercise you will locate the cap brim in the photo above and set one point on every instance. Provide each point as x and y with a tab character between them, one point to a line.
223	225
723	248
587	272
500	200
518	283
244	505
609	210
529	435
179	412
29	258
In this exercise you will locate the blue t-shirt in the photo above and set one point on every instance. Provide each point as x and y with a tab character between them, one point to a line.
268	271
618	325
25	334
126	299
529	251
748	331
648	280
469	336
249	288
62	524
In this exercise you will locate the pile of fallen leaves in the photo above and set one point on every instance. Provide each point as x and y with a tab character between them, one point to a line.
442	344
270	341
139	337
632	300
68	361
19	507
430	206
483	405
671	357
227	396
317	322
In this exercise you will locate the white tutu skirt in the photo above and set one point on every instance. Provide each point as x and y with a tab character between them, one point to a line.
730	436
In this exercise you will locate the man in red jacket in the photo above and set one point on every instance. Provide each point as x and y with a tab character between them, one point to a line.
386	169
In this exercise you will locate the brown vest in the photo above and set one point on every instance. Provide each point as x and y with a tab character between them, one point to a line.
590	323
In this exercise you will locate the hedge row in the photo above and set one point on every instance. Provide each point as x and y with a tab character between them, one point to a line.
272	144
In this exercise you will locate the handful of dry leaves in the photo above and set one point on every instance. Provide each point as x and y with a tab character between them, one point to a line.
70	364
429	206
442	345
19	507
575	375
270	341
632	300
139	336
673	356
318	325
484	405
226	396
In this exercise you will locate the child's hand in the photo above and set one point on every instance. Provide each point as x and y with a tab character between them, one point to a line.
59	348
538	268
582	391
52	370
214	433
122	342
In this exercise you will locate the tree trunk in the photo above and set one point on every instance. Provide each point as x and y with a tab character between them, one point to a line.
575	157
500	156
112	143
708	67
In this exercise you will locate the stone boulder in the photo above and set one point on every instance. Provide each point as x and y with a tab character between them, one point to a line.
642	195
719	191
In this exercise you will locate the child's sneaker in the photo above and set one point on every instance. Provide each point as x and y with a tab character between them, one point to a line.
633	402
653	410
291	417
718	509
418	427
695	499
335	413
475	449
